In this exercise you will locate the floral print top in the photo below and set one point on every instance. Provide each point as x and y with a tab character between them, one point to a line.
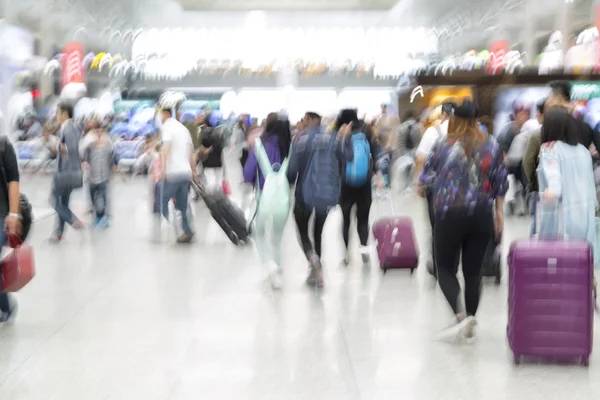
462	183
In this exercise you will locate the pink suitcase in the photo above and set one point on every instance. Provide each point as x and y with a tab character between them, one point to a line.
550	299
396	244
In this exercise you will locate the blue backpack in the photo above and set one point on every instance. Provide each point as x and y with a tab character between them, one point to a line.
322	181
357	170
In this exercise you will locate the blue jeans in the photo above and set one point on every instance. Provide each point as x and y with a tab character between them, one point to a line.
177	188
4	304
61	205
98	194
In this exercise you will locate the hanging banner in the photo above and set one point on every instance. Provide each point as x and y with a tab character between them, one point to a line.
497	60
72	67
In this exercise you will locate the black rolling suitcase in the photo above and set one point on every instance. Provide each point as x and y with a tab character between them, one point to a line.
227	214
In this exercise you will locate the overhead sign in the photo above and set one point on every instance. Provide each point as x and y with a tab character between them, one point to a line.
72	67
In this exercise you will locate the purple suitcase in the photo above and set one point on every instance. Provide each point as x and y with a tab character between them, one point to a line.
396	244
550	299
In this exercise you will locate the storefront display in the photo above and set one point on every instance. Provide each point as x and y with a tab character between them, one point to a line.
585	97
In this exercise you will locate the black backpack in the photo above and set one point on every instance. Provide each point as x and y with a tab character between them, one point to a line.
25	208
410	144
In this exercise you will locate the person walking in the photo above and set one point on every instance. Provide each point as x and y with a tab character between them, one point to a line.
467	175
315	165
267	168
68	175
356	181
10	213
178	161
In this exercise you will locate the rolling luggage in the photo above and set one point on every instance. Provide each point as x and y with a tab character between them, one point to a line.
396	242
226	213
550	298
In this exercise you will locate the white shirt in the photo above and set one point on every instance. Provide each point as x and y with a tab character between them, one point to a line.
178	137
430	138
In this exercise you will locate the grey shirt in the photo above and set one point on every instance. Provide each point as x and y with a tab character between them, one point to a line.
100	158
69	136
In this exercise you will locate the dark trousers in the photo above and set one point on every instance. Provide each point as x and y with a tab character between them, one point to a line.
99	196
302	216
4	302
362	198
460	230
517	171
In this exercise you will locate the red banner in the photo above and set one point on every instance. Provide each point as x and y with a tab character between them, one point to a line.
72	67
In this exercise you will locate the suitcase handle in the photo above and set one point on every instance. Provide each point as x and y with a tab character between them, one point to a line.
387	193
538	214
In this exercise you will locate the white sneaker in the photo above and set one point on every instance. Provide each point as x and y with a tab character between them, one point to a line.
346	259
456	333
276	280
365	253
470	331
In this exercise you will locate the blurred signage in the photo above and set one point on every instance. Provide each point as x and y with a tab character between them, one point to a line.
416	91
72	67
585	90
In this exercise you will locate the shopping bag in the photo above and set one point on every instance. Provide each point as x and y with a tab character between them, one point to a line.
18	267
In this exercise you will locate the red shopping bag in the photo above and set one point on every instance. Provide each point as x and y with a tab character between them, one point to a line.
18	267
226	188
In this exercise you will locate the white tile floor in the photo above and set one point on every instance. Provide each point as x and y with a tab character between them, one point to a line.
112	316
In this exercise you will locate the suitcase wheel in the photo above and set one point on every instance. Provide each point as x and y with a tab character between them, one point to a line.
517	359
384	270
412	271
498	279
585	361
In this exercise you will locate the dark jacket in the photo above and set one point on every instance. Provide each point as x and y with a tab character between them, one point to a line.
530	161
10	171
302	150
506	137
212	138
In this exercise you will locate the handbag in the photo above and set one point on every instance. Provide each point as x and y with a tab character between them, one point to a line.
67	180
18	267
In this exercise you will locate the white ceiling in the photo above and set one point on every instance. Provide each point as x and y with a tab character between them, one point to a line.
248	5
462	24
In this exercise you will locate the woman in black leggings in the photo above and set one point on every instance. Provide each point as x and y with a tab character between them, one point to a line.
357	191
468	178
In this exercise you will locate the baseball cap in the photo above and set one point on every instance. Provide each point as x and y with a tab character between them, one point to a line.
467	110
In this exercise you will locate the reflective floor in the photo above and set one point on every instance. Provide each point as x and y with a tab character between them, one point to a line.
111	315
